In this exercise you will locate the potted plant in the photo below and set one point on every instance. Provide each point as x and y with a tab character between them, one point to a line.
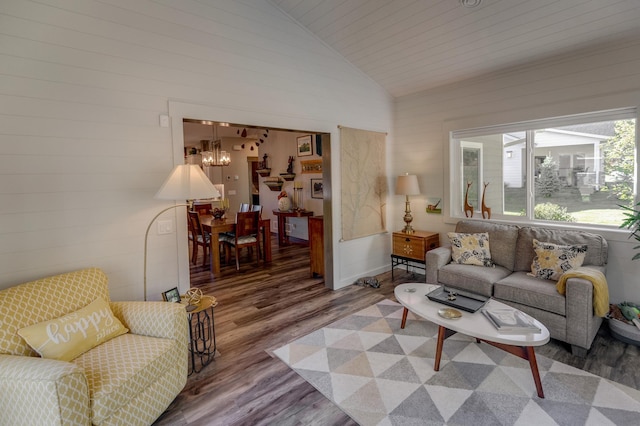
632	222
623	317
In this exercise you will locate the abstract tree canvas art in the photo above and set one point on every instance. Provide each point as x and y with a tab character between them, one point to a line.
364	185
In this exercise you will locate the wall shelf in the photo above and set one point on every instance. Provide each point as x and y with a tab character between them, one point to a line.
288	176
274	185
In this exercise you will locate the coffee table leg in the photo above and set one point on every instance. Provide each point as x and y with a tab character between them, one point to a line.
405	311
531	356
526	353
441	336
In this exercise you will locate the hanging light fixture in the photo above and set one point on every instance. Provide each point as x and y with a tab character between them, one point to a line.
212	154
208	157
224	159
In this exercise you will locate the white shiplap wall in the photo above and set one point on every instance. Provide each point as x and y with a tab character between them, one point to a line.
82	85
591	80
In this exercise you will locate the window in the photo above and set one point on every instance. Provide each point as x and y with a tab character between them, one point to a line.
568	169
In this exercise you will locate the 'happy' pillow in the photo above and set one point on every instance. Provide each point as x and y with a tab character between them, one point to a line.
470	249
70	336
552	260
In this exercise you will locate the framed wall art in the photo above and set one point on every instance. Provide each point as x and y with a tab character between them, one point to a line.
311	166
305	146
316	188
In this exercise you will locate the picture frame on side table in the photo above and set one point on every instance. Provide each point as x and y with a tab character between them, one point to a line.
316	188
172	295
305	146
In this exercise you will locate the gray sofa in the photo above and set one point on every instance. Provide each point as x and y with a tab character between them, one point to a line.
569	318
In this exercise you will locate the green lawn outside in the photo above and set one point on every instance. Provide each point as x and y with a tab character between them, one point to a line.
599	208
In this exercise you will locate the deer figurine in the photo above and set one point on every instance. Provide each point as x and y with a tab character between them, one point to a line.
468	208
485	209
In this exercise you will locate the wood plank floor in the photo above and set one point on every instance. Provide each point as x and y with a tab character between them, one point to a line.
261	309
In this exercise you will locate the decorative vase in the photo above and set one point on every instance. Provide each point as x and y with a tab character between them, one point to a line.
284	204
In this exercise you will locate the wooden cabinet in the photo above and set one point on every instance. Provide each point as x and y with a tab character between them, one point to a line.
410	249
416	245
316	245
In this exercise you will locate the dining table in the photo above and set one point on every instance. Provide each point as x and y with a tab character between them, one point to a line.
218	226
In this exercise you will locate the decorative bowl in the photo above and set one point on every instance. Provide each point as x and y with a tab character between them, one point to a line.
218	213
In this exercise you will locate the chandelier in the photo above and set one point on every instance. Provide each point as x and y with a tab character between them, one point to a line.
212	153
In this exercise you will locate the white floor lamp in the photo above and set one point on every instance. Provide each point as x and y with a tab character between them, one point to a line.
186	182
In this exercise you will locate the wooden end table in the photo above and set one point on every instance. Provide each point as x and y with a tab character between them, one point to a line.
410	249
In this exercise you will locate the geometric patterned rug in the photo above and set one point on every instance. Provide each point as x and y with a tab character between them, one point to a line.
380	374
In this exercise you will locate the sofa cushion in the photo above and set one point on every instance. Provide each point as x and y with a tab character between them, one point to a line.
476	279
120	369
502	237
552	260
73	334
596	245
470	249
529	291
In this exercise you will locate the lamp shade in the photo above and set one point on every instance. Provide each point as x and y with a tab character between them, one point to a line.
407	185
187	182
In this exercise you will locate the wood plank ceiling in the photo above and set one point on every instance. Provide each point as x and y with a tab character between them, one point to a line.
411	45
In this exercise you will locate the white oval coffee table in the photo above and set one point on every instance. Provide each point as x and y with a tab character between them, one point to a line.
413	297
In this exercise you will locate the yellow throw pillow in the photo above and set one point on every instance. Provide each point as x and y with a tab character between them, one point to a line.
470	249
70	336
552	260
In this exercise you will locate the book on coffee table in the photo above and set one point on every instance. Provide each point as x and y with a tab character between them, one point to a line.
511	321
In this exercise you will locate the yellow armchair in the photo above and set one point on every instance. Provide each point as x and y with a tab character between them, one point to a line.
130	379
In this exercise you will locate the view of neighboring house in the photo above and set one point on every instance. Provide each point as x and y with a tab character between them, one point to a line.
576	150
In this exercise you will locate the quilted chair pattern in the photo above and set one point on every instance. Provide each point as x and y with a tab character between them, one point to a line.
42	392
130	379
43	300
155	319
123	367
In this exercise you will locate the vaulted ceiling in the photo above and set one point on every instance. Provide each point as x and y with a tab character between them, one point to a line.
411	45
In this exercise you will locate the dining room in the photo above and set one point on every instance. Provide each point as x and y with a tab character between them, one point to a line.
252	166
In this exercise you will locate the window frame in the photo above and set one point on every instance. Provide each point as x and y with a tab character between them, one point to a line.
454	211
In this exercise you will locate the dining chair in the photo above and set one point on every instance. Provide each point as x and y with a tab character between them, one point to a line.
247	235
198	237
202	208
244	207
256	208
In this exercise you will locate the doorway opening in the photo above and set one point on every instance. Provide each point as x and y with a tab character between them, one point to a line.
246	147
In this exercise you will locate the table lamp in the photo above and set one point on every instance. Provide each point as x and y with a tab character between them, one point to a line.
407	185
186	182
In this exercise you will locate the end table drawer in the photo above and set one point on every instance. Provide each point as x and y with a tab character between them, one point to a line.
431	243
407	246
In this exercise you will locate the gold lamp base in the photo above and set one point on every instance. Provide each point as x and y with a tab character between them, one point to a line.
407	218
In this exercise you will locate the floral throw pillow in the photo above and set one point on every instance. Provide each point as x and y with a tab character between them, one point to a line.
552	260
470	249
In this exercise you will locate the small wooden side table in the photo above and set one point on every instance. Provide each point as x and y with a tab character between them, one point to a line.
410	249
283	238
202	333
